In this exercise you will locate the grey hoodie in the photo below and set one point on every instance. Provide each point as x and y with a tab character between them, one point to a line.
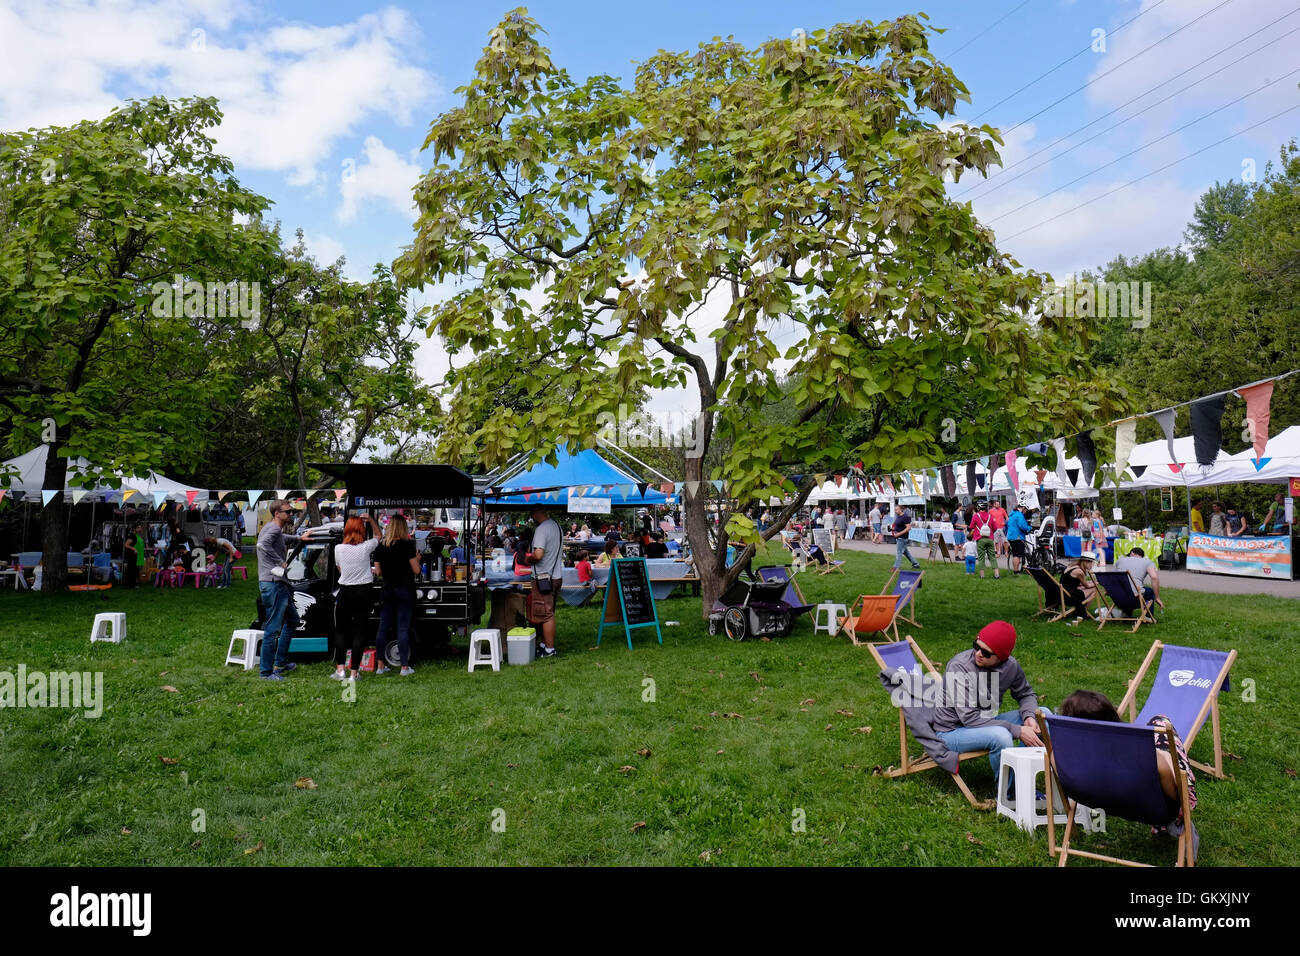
1010	677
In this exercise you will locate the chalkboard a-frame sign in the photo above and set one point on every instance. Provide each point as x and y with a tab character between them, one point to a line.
629	579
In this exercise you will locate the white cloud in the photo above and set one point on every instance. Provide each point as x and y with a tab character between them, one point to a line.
325	249
288	93
382	175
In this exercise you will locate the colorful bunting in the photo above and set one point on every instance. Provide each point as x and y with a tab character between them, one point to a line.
78	494
1087	455
949	482
641	486
48	496
221	495
1073	475
1125	439
1207	428
970	477
1138	470
1013	473
1175	467
127	493
1257	399
1166	419
717	484
282	492
253	495
339	493
1260	462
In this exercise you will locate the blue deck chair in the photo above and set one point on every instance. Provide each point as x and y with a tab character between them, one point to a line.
1051	596
1186	690
792	596
905	584
1112	767
907	656
1124	599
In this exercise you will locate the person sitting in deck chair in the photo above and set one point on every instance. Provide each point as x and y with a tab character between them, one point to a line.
1141	568
989	668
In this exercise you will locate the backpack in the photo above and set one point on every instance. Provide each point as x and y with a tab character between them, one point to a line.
981	525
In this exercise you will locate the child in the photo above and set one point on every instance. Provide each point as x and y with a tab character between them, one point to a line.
586	579
970	549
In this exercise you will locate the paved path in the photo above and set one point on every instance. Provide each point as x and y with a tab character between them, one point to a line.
1174	580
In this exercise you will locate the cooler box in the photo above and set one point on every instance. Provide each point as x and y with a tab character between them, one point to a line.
521	643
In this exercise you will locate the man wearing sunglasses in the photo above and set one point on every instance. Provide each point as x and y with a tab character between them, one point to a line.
277	595
962	724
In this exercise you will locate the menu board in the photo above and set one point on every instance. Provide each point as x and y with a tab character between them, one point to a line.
629	584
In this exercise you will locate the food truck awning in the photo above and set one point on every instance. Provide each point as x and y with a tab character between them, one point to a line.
401	486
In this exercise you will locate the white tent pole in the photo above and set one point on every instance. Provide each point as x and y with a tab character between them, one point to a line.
623	451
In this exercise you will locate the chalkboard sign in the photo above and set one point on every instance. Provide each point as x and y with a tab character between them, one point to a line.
629	581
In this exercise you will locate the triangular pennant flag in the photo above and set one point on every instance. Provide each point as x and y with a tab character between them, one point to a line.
1087	455
221	495
339	493
1165	417
282	492
641	486
1207	428
1138	470
1257	412
3	492
1058	445
1175	468
190	496
821	479
949	482
1073	475
1037	448
980	480
970	477
158	498
1013	473
48	496
678	486
717	484
127	493
253	495
1125	439
692	487
1260	462
666	487
78	494
1040	474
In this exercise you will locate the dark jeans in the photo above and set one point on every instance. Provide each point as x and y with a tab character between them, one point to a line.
398	603
352	618
130	573
281	623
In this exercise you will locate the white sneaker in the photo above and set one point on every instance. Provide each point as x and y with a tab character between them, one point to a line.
339	675
407	671
351	679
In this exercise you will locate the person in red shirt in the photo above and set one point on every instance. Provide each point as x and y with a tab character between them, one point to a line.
998	517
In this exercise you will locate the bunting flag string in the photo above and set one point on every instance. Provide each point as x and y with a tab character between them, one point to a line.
1125	439
78	494
339	493
1013	473
190	496
158	498
47	497
253	495
221	495
1207	428
1258	397
1087	453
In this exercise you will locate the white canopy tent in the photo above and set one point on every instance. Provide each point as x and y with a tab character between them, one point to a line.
26	473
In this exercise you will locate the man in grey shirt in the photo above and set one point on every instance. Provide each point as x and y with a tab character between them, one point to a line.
277	595
546	558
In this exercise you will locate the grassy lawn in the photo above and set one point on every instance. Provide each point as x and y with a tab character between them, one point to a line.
739	737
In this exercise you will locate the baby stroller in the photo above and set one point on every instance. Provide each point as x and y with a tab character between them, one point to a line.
752	609
1041	553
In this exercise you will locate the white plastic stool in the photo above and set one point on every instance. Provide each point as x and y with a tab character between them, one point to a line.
491	637
110	627
1027	763
834	613
248	654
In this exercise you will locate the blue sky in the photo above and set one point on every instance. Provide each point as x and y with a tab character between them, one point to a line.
328	103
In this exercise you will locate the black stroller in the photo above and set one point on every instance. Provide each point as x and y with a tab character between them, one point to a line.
752	609
1041	552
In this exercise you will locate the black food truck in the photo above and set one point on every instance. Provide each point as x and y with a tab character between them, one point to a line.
440	605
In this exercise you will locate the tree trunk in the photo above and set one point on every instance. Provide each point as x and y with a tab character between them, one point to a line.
54	518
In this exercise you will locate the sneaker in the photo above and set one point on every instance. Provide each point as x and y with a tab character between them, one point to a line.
547	652
381	671
274	675
286	668
350	679
407	671
339	675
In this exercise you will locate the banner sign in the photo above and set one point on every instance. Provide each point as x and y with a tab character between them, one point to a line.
1295	487
589	506
1268	557
1028	498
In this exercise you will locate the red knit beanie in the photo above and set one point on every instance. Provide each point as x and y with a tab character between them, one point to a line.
999	637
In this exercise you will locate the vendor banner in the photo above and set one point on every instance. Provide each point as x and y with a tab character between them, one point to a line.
589	506
1268	557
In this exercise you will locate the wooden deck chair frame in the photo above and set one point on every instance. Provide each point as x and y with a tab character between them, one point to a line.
1145	615
1064	851
832	566
1054	616
849	623
1211	705
909	764
905	612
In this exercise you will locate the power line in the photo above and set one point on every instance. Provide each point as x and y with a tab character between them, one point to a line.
1143	146
1062	139
1117	66
1152	173
987	29
1086	49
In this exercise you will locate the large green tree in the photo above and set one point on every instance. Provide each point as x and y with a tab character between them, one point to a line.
801	183
91	218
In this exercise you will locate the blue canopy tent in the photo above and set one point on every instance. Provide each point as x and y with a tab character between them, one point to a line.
587	474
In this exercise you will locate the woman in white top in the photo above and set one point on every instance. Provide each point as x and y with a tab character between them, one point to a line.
356	589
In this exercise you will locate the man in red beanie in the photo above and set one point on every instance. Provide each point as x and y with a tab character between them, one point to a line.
975	681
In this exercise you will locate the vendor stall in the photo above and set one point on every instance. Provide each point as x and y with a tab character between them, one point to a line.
1265	556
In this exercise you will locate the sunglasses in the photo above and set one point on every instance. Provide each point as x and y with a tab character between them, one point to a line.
981	649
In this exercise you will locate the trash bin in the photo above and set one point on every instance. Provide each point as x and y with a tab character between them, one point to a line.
521	643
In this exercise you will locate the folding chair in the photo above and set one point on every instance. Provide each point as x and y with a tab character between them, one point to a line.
907	657
792	596
871	614
905	584
1123	599
1186	690
1111	767
1051	596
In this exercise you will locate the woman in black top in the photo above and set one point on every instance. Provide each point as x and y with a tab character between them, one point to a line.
1079	589
398	566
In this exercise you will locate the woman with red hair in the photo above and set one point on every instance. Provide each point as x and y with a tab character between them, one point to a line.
356	589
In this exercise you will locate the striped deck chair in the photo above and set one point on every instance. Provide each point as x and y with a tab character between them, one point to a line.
907	656
1123	599
1051	596
1186	690
792	596
1112	767
905	584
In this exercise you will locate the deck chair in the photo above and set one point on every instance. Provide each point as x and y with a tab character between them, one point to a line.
1123	599
1051	596
907	656
792	596
1186	690
1111	767
871	614
905	584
